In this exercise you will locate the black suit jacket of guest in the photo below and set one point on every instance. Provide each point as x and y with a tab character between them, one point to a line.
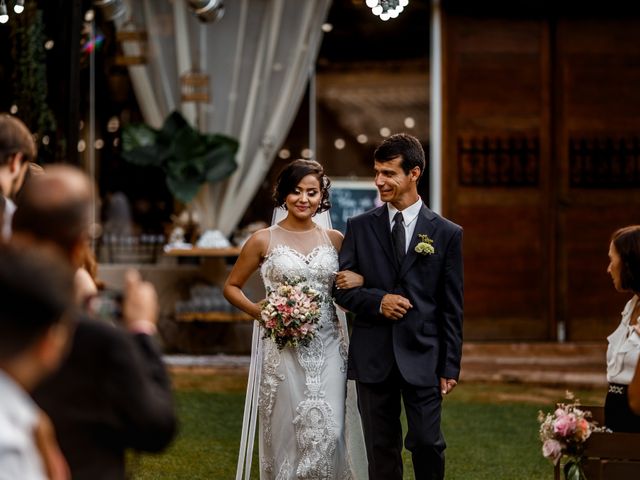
427	342
111	393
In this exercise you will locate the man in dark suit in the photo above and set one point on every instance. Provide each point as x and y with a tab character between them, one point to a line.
112	392
406	342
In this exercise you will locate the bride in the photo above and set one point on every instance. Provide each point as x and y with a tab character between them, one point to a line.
307	430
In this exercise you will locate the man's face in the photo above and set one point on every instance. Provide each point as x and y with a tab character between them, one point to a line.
392	182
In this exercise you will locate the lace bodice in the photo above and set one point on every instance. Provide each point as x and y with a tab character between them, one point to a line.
307	256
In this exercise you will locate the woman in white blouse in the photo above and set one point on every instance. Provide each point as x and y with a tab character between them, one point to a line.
624	342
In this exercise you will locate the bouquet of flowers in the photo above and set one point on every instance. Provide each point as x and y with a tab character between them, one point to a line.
564	432
290	314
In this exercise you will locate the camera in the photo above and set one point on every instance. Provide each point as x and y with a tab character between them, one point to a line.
106	306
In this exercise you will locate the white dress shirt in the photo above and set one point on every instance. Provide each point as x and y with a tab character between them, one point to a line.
624	348
410	215
19	456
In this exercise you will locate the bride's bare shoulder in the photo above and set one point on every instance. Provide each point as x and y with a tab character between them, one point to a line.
336	238
258	241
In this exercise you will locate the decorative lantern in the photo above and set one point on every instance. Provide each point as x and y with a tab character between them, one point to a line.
195	87
133	44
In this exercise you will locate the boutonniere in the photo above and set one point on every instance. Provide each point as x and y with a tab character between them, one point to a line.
425	246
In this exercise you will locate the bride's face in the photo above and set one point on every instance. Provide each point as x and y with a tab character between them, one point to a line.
305	199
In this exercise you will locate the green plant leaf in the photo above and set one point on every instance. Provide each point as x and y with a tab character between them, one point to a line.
150	156
188	157
221	163
171	126
137	135
183	189
573	470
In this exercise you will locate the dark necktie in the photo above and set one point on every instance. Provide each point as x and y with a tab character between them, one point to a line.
398	236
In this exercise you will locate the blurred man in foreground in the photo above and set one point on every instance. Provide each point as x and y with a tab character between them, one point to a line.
112	393
17	149
35	293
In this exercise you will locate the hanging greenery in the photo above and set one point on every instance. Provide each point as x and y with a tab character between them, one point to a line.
187	157
30	74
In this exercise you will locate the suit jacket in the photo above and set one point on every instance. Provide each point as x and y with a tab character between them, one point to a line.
427	342
111	393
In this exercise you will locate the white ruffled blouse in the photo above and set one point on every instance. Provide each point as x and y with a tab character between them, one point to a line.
624	348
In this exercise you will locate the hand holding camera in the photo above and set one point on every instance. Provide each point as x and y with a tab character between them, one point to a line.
140	304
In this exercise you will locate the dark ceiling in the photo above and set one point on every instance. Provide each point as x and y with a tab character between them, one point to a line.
358	35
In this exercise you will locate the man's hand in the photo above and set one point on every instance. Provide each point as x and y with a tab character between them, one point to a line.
447	384
394	306
140	305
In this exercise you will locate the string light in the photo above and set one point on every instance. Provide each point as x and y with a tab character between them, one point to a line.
4	14
387	9
19	7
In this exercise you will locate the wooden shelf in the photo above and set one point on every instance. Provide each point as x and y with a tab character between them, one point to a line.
204	252
212	317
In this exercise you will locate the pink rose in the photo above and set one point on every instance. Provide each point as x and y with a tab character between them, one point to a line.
565	425
552	450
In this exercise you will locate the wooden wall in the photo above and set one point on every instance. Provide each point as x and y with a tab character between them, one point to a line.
542	159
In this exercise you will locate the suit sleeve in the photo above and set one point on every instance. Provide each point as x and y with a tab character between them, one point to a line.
141	393
359	300
451	339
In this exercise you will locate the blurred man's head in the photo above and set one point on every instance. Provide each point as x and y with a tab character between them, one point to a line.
55	207
17	149
36	288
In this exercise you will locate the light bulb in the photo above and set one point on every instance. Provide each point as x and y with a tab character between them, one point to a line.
372	3
393	13
19	6
384	17
377	10
404	3
4	15
399	9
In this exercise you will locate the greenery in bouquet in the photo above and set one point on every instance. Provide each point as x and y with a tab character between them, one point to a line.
563	434
290	314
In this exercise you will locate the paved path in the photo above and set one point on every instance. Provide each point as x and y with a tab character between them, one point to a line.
568	364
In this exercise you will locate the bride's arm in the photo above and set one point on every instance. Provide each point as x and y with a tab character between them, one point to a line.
344	278
248	262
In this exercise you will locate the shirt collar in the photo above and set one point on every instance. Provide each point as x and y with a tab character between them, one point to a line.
409	214
17	402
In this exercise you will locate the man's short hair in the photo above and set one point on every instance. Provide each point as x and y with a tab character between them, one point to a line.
404	145
15	137
36	291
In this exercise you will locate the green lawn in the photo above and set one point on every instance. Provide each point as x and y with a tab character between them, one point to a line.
491	431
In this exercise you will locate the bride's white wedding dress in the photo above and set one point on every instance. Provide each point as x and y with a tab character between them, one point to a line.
301	391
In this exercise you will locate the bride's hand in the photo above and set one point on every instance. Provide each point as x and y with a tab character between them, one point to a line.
258	310
347	279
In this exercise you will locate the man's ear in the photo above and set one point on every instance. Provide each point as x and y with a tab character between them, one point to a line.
415	173
16	162
51	347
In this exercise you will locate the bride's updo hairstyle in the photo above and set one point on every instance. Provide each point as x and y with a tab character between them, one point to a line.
292	174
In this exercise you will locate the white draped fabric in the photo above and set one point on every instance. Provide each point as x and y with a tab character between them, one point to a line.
258	56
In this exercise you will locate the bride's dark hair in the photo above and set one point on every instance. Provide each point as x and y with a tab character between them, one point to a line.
290	177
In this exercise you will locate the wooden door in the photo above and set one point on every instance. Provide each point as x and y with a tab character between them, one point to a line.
497	172
542	164
597	145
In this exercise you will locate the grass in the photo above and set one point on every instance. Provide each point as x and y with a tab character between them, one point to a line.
491	431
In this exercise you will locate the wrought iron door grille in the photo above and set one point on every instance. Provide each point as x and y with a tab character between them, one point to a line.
512	162
604	162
